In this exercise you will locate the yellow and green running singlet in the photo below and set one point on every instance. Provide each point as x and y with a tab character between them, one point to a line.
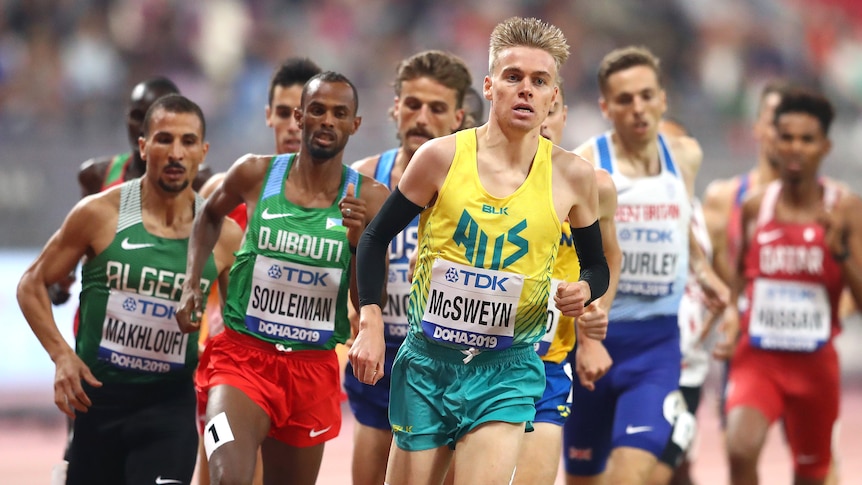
483	272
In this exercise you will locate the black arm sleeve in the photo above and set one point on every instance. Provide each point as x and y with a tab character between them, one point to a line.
591	255
372	251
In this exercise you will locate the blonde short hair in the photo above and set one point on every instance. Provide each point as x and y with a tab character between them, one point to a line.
528	32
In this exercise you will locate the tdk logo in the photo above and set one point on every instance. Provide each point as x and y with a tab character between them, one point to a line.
158	310
305	277
483	281
504	211
647	235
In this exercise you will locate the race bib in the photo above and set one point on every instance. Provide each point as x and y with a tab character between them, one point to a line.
554	315
473	307
395	311
650	253
292	301
789	315
140	333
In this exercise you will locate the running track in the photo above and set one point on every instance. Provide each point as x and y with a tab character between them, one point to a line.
30	445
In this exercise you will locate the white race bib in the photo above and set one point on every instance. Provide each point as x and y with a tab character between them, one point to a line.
473	307
789	315
395	311
292	301
651	252
141	333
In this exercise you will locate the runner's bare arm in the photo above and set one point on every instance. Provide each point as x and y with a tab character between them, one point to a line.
717	204
244	177
224	254
82	234
421	181
850	207
593	324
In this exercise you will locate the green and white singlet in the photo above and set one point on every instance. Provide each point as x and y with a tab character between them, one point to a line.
288	285
128	330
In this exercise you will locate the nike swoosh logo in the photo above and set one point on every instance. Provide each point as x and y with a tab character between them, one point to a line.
315	433
637	429
132	246
806	459
769	236
266	215
163	481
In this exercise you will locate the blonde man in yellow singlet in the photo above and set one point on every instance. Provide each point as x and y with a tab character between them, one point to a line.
492	202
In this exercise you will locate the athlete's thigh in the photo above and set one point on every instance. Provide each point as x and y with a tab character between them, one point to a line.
96	452
809	422
488	453
630	465
539	458
370	453
236	426
587	432
426	467
283	463
163	442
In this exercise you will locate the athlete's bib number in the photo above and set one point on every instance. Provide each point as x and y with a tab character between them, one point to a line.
789	315
651	252
292	301
395	311
473	307
140	333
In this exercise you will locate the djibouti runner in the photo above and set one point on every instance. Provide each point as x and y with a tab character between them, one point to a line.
272	377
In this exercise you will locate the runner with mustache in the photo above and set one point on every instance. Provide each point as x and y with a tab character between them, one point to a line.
429	89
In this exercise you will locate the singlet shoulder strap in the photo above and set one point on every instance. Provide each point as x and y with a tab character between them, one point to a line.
130	205
603	152
666	157
351	177
383	171
767	204
275	178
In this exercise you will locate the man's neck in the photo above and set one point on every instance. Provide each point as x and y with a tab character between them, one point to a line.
803	194
643	157
515	148
317	175
165	207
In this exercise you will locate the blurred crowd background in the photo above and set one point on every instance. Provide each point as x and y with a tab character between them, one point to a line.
66	68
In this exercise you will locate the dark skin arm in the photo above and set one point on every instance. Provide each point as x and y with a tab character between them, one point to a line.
245	176
844	240
729	327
